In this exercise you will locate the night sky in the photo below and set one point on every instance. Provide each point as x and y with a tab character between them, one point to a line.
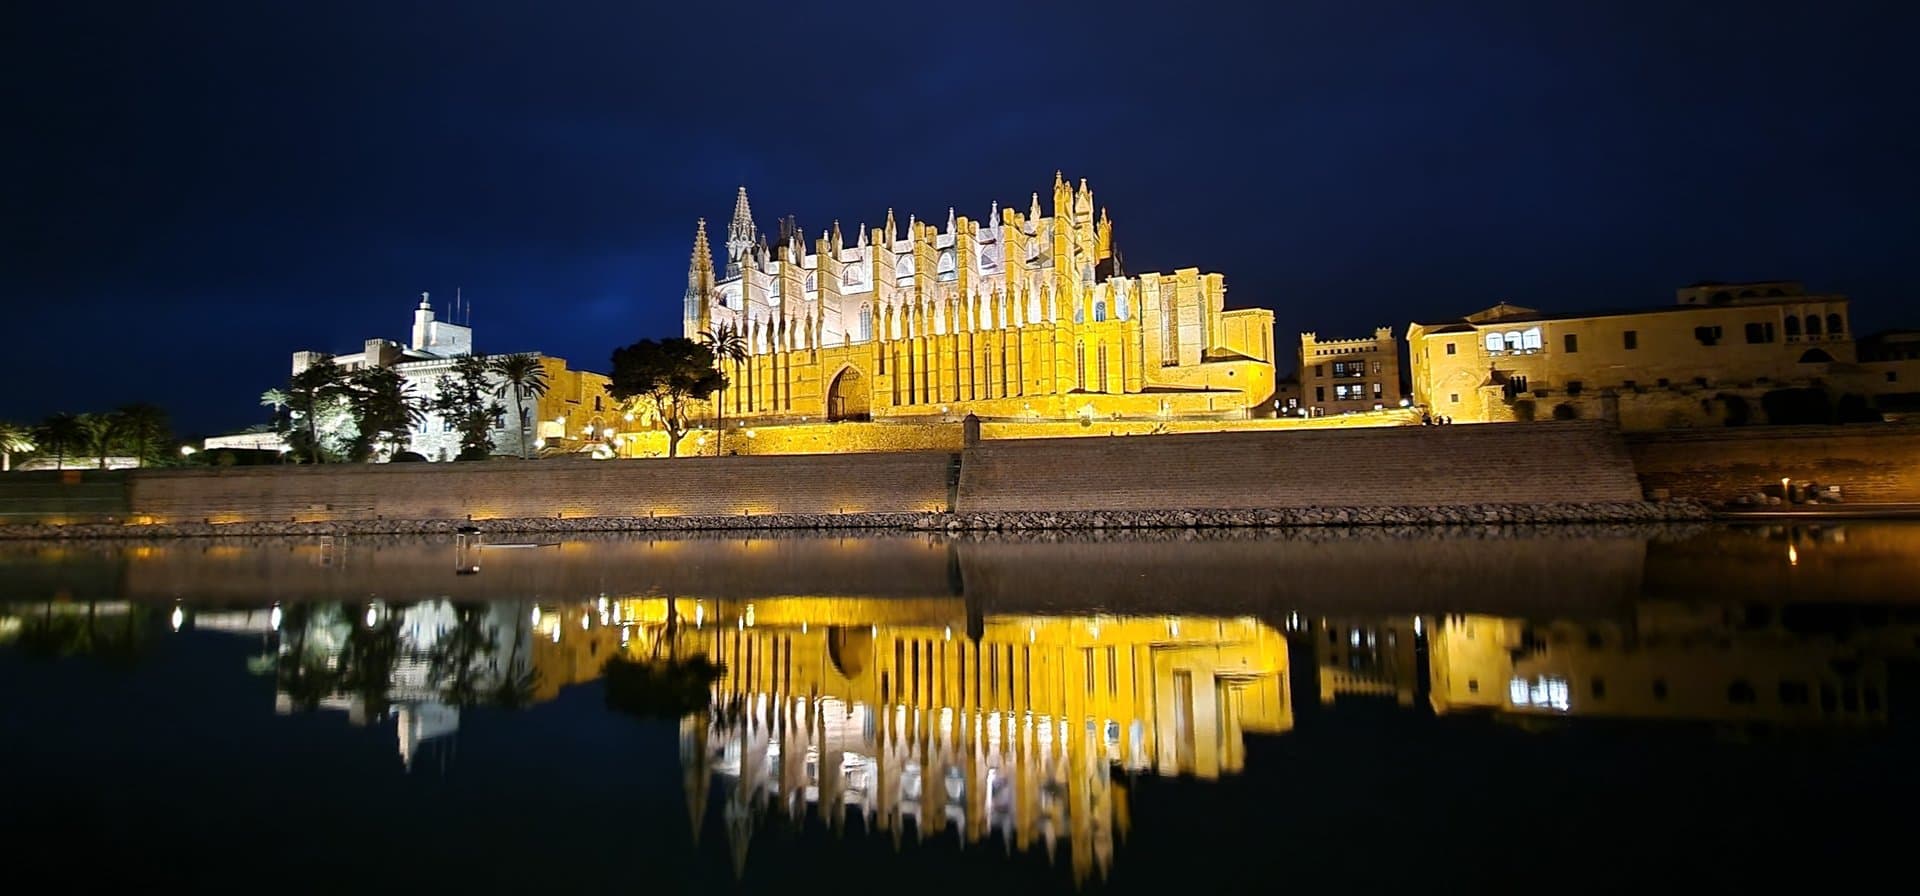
196	190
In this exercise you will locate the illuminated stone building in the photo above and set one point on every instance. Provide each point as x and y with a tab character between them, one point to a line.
1713	358
1018	316
1345	376
573	413
904	712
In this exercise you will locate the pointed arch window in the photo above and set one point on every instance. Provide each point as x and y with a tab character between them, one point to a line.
904	267
1099	311
866	323
1080	366
1102	381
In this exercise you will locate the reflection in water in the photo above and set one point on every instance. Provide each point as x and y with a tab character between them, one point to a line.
945	702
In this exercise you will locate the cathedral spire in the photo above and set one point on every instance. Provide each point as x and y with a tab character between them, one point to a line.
950	219
1033	211
740	231
698	309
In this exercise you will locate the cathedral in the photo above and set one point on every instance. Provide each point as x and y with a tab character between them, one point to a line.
1020	316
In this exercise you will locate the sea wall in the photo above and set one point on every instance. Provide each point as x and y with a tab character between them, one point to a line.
513	489
1378	467
1870	462
1319	477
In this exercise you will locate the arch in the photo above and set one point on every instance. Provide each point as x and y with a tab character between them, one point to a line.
1793	327
1835	326
866	325
1816	356
847	398
850	649
1813	325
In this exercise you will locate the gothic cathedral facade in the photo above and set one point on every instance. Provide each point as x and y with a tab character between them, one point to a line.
1023	316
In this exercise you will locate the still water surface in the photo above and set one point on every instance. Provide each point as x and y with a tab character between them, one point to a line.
1492	709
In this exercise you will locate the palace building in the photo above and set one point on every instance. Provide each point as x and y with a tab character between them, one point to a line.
1722	354
1022	315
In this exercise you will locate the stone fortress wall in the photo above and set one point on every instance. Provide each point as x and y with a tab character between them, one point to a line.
1380	466
1451	466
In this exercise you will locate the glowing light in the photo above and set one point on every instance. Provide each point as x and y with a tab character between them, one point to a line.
536	615
1173	628
373	615
585	621
273	618
1406	402
556	633
699	614
947	634
539	443
629	418
1030	636
1793	556
1416	625
747	620
179	617
186	450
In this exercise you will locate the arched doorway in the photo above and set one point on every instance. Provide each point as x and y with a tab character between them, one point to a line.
847	398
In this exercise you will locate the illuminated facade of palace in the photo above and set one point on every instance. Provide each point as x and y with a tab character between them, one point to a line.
1022	315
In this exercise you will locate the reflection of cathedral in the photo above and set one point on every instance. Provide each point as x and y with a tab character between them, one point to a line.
892	710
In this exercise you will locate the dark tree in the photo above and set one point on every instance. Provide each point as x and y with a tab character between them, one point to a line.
144	429
668	374
309	394
59	434
465	398
384	411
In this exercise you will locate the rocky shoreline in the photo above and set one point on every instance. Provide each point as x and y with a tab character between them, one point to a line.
1002	521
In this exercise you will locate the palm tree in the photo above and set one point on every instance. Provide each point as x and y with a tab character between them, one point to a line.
144	427
727	344
14	439
277	400
60	434
523	375
101	433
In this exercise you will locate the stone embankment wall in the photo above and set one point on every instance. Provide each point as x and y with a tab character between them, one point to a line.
1566	471
1400	466
508	489
1870	462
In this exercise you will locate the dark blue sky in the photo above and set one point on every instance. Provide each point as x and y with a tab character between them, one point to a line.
197	190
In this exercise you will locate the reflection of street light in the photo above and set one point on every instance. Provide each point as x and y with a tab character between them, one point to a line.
539	443
1406	402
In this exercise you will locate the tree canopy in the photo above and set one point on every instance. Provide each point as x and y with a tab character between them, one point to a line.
666	373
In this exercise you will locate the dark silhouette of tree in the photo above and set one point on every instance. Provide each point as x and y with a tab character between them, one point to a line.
727	345
60	434
101	434
522	376
454	663
666	373
384	411
369	658
311	393
145	430
463	397
659	689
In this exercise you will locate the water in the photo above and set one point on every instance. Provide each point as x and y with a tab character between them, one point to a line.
1578	709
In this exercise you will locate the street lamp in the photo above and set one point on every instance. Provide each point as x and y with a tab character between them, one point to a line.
186	450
